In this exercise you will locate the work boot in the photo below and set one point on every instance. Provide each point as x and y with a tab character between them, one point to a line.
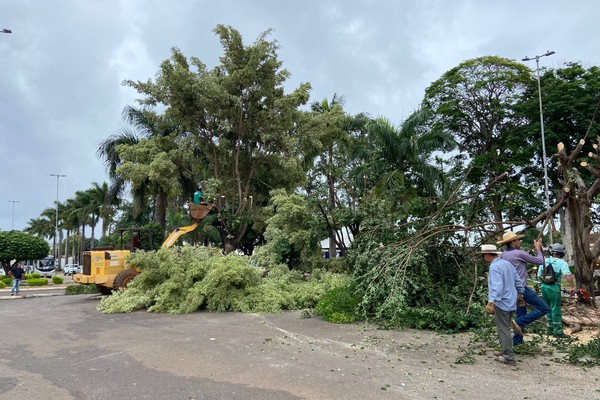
503	360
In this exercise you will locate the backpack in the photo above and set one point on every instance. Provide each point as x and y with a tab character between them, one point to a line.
548	275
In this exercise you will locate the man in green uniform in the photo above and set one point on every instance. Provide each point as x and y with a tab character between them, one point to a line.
198	197
551	292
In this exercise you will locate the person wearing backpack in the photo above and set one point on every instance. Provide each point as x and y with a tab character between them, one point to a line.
551	274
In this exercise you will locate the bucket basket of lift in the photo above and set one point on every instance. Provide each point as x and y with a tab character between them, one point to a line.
199	211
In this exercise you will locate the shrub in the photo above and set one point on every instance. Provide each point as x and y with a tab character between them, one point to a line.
37	282
7	281
340	305
2	285
81	289
31	276
57	280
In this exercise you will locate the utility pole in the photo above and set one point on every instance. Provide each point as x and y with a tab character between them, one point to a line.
12	226
544	163
57	249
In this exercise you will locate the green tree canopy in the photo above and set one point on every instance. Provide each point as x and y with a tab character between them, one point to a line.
19	246
243	129
477	102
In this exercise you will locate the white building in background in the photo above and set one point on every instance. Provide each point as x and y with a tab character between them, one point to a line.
346	238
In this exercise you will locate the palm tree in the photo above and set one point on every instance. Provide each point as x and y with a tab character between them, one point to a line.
41	226
332	113
147	125
400	159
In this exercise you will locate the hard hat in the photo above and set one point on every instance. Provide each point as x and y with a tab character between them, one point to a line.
558	248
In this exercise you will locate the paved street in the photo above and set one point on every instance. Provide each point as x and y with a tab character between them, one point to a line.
61	347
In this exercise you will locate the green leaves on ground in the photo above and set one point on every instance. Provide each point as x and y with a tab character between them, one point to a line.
186	279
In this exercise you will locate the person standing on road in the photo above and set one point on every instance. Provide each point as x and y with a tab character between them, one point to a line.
16	273
520	259
551	292
504	287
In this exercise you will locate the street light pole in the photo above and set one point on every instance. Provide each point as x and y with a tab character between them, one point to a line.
544	163
57	252
12	227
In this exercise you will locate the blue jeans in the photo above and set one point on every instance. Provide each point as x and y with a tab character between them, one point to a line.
540	308
15	286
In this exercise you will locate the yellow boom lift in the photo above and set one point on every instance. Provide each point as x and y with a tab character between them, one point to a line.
106	267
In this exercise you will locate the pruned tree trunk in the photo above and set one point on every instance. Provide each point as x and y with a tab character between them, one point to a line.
578	197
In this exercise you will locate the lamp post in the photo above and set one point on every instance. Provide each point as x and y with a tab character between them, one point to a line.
544	164
57	252
12	227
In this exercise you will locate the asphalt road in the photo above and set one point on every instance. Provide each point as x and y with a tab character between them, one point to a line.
61	347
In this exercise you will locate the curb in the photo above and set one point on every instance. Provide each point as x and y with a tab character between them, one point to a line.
24	292
30	296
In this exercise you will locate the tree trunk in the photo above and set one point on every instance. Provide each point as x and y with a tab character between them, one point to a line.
578	197
332	244
160	212
67	246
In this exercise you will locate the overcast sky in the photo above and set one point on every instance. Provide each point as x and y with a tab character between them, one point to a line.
61	68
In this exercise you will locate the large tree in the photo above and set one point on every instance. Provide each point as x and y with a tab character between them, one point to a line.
237	118
477	102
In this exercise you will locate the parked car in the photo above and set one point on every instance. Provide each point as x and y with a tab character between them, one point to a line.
71	269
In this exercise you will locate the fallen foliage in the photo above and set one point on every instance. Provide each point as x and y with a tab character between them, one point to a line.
187	279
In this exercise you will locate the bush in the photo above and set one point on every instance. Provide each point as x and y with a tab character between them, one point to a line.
37	282
2	285
340	305
57	280
81	289
7	281
31	276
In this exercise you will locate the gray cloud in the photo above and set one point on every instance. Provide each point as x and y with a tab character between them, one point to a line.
61	69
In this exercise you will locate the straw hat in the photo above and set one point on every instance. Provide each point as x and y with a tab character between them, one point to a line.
509	237
489	249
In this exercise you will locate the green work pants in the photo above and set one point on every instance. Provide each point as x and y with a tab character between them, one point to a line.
551	295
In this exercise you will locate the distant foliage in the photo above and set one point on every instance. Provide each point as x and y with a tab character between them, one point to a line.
186	279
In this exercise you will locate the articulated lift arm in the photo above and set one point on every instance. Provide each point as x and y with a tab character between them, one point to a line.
178	232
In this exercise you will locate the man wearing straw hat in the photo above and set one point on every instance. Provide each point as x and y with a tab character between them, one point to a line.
504	287
520	259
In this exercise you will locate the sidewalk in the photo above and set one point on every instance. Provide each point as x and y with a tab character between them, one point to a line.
29	292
